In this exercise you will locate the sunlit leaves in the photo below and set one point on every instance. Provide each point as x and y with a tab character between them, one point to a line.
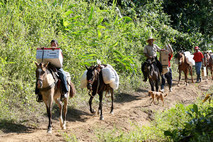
91	14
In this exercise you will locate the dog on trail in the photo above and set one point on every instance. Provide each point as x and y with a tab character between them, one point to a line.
156	95
208	97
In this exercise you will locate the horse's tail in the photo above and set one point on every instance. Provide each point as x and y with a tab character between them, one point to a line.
72	89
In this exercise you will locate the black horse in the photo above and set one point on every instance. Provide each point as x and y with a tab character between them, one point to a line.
96	85
153	73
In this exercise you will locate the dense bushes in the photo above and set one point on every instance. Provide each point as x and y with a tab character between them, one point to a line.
114	33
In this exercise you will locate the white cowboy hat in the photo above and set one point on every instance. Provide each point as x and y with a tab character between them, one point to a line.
150	38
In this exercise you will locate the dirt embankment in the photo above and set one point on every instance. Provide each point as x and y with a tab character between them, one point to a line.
128	108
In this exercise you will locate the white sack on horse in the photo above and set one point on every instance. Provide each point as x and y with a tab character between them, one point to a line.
189	58
110	77
84	80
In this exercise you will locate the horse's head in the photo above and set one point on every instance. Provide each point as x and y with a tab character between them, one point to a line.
206	58
180	57
92	73
41	73
150	66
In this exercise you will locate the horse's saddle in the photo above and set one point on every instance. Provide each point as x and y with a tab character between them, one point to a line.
54	72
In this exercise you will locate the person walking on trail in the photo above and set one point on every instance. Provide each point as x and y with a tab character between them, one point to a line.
198	57
62	77
150	51
168	75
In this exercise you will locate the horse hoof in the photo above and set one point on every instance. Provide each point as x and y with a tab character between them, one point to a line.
112	112
178	85
64	127
49	131
101	118
92	111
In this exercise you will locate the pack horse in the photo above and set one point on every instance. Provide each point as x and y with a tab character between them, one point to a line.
184	65
99	79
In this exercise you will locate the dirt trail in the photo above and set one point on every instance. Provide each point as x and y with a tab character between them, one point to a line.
129	109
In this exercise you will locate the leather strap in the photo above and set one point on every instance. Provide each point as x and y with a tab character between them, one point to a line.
48	88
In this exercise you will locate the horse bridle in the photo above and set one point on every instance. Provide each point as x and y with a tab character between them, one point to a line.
41	82
91	81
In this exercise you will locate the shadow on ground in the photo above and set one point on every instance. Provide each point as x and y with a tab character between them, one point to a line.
8	126
141	90
73	114
124	97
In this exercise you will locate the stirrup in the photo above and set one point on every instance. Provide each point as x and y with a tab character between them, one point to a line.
39	99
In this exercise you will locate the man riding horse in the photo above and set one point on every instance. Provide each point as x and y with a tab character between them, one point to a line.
150	52
62	77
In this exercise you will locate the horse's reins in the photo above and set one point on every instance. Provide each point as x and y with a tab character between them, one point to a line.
48	87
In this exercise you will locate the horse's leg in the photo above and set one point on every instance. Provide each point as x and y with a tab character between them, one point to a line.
100	105
90	103
60	105
65	112
179	78
185	73
112	93
156	84
152	84
212	71
191	74
49	113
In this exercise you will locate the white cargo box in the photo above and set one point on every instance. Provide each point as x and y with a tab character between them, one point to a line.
54	56
164	58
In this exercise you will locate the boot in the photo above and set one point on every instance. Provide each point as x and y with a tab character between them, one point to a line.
39	98
63	96
198	78
170	88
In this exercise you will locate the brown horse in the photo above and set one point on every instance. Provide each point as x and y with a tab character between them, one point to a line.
49	90
96	85
183	66
153	73
208	63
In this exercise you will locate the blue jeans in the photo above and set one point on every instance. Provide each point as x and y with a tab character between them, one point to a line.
62	76
167	76
197	68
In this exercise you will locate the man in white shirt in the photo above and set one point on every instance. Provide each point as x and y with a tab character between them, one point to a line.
150	52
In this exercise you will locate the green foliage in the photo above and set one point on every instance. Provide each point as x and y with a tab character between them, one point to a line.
114	32
181	123
198	127
194	17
